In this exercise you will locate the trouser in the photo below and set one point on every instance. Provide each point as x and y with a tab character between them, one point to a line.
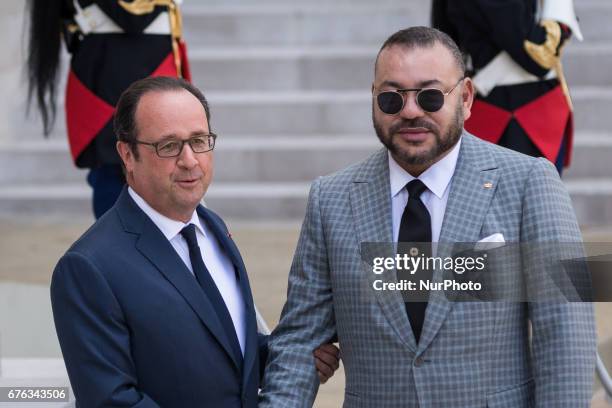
107	182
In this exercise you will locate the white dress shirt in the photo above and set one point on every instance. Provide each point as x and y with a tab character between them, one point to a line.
437	178
217	261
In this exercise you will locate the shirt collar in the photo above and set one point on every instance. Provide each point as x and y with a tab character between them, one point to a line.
437	177
169	227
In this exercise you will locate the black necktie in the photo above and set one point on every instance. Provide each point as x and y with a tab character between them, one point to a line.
210	288
416	227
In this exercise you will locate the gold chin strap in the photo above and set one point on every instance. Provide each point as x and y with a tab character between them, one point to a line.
546	55
141	7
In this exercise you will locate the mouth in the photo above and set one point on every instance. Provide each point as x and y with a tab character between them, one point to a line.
188	182
413	135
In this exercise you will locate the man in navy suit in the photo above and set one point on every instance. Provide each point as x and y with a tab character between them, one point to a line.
152	305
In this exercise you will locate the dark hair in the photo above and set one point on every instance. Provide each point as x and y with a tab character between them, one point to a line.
125	114
43	59
424	37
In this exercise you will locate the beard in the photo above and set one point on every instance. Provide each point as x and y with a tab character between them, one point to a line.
443	143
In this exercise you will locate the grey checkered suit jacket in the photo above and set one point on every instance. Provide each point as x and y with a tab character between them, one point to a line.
471	354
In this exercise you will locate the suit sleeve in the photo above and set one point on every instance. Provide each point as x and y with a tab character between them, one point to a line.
510	24
564	342
306	322
94	337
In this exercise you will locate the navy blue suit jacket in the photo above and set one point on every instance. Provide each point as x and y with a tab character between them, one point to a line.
135	328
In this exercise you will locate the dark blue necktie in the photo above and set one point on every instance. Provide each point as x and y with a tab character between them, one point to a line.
210	288
416	227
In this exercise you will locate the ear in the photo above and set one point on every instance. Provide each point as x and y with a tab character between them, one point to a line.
127	156
467	97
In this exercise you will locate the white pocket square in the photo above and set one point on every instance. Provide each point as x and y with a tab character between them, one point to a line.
491	242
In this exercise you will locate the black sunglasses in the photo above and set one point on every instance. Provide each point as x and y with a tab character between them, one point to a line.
429	99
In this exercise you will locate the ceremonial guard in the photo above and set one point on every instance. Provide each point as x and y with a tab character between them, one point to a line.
513	50
112	43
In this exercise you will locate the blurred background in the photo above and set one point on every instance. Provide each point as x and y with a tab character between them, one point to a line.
289	87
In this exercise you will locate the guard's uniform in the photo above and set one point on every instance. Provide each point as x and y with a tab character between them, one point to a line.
118	42
513	56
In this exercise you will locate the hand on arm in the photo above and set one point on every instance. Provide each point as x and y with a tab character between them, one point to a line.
327	361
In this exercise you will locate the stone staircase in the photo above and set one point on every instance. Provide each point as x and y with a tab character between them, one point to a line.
288	85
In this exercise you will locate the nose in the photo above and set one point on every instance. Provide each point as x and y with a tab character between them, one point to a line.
411	109
187	158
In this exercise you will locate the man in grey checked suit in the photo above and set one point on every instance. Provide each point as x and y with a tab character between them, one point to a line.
468	354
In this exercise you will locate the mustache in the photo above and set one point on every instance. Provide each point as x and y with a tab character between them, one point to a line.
413	123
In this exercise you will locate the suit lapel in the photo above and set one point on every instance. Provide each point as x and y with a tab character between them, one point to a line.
155	247
251	349
370	199
472	188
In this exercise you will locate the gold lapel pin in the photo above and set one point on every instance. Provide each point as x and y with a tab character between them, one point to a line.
488	185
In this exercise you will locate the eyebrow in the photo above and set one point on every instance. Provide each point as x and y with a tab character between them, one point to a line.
422	84
192	134
430	82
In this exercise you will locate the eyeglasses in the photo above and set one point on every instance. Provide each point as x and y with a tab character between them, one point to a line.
429	99
173	148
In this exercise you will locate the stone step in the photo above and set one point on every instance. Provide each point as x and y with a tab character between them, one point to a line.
39	162
257	158
591	157
594	16
238	22
588	63
299	24
283	69
342	67
592	199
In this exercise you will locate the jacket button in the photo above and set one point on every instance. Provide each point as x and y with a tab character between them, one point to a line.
418	361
